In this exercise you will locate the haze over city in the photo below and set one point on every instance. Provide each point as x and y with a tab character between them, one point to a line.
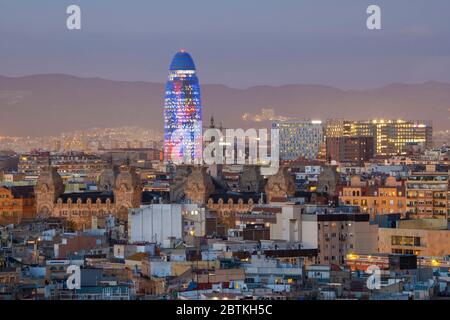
125	173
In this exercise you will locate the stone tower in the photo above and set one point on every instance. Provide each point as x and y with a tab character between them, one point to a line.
127	192
107	179
178	184
328	180
49	187
251	179
281	185
199	185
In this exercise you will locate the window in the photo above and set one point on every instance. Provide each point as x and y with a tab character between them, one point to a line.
396	240
408	241
405	241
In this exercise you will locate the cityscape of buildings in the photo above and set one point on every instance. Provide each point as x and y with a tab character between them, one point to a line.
92	140
349	197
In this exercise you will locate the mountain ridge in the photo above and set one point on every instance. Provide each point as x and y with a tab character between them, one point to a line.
45	104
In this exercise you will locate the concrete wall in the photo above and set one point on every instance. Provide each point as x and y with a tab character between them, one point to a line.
289	224
437	224
432	242
309	231
155	223
365	238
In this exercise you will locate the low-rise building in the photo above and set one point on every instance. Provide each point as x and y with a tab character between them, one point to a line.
418	237
337	234
16	203
160	222
375	197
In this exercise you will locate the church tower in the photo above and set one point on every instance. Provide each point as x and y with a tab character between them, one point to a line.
49	187
107	179
280	186
251	179
199	185
127	192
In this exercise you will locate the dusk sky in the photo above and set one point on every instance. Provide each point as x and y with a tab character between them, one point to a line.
239	43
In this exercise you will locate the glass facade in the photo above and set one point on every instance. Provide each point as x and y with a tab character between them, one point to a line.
182	111
391	137
299	139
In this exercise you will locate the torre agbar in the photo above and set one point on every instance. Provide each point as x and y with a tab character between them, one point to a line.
182	111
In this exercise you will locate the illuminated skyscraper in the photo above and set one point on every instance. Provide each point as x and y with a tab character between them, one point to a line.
391	137
299	139
182	111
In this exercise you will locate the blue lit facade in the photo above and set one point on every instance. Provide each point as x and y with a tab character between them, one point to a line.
182	111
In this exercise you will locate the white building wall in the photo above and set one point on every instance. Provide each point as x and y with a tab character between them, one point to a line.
155	223
160	268
310	232
288	226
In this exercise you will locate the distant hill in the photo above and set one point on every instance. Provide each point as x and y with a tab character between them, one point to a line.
54	103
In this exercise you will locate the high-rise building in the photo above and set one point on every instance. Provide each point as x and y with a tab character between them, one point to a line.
299	138
428	193
182	111
391	137
350	149
337	128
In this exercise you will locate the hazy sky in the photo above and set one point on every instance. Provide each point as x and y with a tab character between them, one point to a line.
239	43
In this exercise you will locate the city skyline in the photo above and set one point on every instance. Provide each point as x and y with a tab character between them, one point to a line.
311	162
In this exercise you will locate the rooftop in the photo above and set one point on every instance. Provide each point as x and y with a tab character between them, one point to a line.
182	61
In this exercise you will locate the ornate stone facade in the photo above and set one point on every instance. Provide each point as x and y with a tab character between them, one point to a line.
107	179
49	187
79	208
280	185
230	206
127	192
178	184
328	181
251	179
199	185
16	203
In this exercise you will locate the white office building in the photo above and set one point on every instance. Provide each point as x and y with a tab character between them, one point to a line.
299	138
162	222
